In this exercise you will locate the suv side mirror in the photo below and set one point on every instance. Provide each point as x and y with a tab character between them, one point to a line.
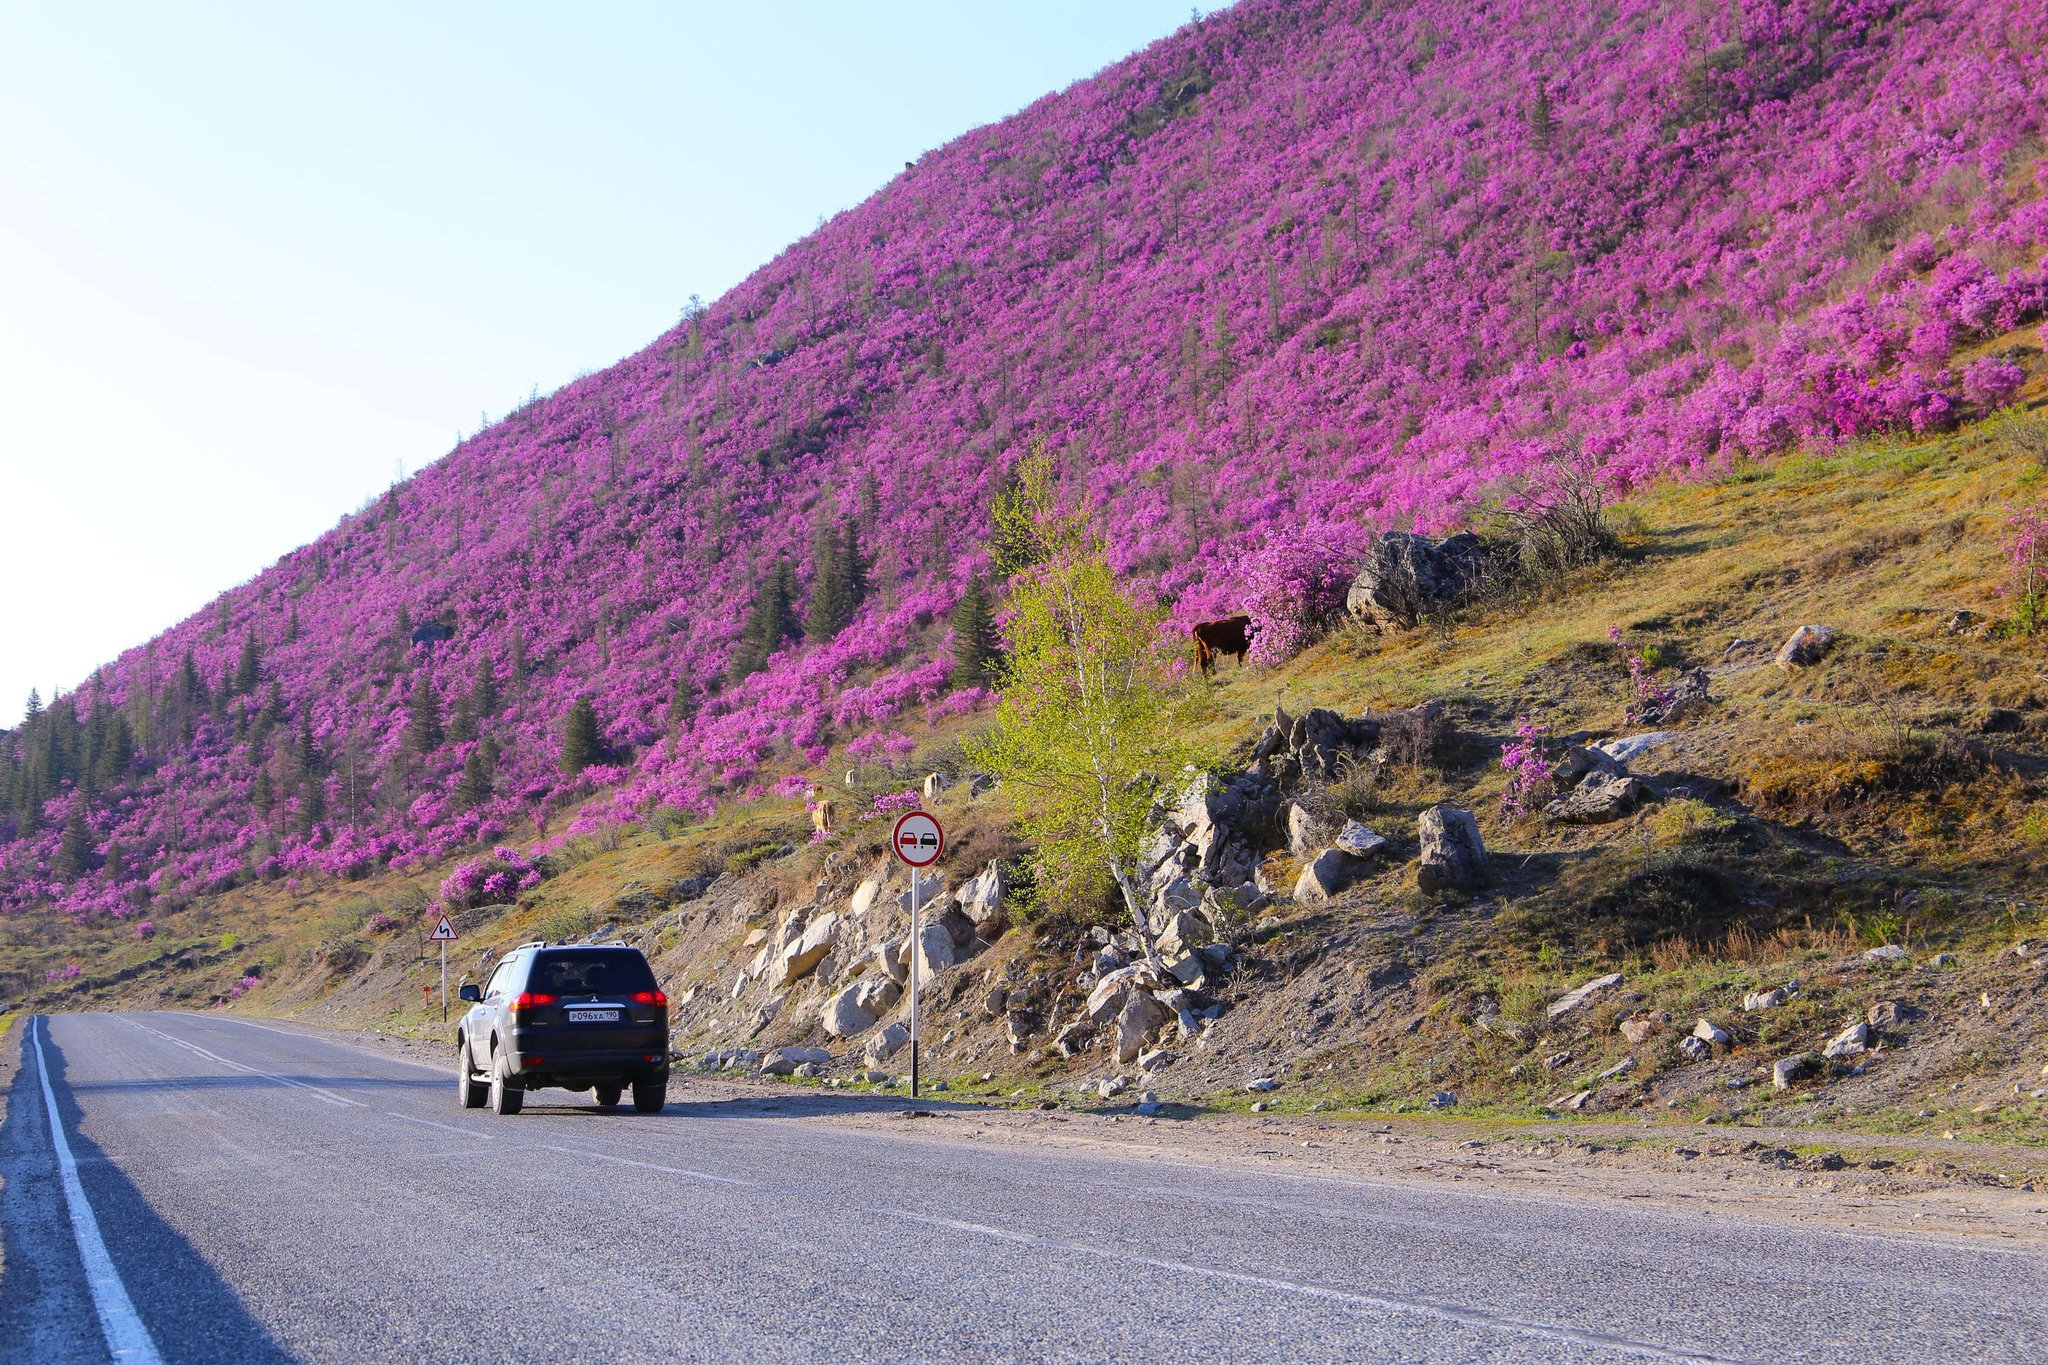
471	992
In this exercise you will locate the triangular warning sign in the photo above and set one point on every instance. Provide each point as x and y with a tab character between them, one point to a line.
444	932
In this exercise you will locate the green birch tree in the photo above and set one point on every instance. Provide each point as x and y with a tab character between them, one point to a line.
1091	709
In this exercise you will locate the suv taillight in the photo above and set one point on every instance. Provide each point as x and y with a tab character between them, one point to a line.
529	1000
651	998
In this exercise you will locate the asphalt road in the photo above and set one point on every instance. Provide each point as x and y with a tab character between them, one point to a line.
268	1195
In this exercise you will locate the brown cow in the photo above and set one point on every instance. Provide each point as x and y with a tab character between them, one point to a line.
1231	635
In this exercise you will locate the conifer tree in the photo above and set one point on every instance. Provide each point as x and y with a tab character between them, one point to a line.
479	773
249	668
974	637
581	745
1542	121
117	756
839	580
827	610
483	696
855	568
74	850
423	732
306	757
312	806
462	721
771	621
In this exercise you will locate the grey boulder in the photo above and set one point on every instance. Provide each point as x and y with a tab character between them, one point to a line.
1453	854
783	1061
1328	874
1408	577
1600	798
843	1015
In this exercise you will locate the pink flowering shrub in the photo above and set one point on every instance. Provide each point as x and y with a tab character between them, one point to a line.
1294	588
1646	690
70	971
1212	276
1992	382
2025	588
1529	766
145	929
494	880
889	805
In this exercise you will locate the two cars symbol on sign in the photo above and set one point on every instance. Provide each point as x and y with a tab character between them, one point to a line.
919	840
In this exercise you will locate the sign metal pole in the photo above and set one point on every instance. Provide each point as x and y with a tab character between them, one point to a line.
444	980
915	833
915	889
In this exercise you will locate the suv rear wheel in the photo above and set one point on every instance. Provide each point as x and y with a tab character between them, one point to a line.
650	1096
607	1096
474	1093
505	1096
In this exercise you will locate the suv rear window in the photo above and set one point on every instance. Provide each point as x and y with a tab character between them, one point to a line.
593	971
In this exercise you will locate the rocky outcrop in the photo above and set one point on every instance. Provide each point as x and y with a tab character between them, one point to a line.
1771	999
802	955
1407	578
1850	1041
783	1061
1601	797
1565	1004
1453	855
887	1043
843	1016
1305	831
1579	762
1789	1071
981	900
1337	867
1316	744
1142	1015
1687	695
1806	646
1327	875
933	952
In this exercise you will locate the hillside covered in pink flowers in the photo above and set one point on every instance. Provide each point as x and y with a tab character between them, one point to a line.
1301	272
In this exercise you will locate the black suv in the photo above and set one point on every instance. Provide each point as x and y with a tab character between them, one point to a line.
581	1018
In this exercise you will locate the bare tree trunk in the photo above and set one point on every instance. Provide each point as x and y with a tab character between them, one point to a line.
1134	901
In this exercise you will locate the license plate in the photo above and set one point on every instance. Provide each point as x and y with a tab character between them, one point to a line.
593	1016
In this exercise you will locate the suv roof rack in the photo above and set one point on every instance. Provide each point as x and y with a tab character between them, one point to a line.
537	943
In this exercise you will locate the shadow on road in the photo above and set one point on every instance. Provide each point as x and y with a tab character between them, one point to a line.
190	1311
268	1081
799	1105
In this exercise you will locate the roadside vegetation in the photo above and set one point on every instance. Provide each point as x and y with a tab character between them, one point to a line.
1892	796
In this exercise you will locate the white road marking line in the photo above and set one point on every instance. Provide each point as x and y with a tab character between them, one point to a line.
327	1095
684	1171
1444	1312
444	1127
127	1339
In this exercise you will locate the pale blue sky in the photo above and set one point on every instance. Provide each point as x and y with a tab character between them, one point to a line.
256	258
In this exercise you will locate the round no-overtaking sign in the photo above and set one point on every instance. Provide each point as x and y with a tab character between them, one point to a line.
919	840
